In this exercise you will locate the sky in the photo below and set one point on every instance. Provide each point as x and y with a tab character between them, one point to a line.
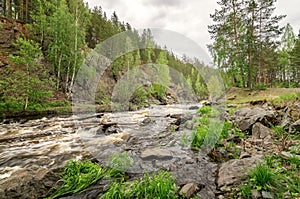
189	18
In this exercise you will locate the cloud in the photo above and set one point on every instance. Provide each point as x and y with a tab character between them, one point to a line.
163	3
189	18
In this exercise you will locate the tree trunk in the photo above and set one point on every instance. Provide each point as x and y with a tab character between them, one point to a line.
259	53
75	51
58	72
236	38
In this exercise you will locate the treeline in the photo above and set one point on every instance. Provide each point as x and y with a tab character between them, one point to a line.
62	32
249	47
17	9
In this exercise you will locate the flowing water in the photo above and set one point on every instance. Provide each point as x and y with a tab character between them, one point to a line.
151	137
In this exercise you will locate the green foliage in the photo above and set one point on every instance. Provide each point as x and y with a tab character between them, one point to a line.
158	91
27	83
160	185
225	130
139	96
276	174
209	131
184	139
205	110
262	177
198	137
238	25
246	190
286	98
120	161
279	131
117	190
78	175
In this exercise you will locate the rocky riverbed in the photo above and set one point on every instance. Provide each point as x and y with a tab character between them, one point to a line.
33	152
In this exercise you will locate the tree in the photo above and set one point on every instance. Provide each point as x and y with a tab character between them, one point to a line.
163	69
288	41
227	31
295	63
241	31
29	83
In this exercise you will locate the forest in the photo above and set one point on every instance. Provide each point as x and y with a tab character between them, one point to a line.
248	47
236	135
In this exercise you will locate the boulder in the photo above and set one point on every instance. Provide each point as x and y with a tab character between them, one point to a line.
290	114
189	190
233	171
246	117
156	153
259	131
31	182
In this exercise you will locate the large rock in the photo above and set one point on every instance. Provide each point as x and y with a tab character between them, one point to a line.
290	114
246	117
189	189
233	171
28	183
156	153
259	131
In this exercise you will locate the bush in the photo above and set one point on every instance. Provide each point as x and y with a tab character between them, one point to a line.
158	91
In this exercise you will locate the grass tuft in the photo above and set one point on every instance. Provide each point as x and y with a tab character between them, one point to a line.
78	175
160	185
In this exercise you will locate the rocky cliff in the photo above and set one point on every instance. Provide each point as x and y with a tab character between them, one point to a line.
10	30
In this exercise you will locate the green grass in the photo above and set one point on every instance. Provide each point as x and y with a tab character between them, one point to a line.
198	137
119	163
78	175
277	175
284	98
184	139
205	110
159	186
262	177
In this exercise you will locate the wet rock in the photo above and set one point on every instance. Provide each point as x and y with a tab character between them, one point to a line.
245	117
233	171
147	121
194	107
189	190
28	183
255	194
156	153
259	131
112	130
202	172
267	195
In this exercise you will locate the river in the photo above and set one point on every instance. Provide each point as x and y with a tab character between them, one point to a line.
151	137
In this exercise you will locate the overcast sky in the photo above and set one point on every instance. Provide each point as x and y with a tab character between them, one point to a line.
189	18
